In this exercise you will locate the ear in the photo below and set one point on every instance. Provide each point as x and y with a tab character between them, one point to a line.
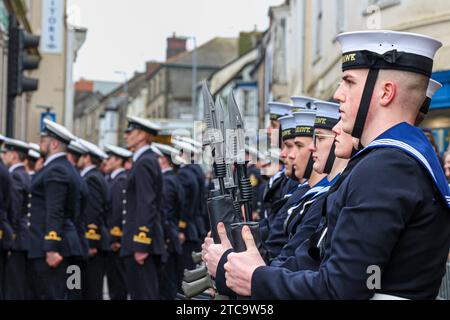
388	92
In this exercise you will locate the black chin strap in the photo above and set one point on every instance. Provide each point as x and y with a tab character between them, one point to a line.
330	161
309	168
365	103
425	106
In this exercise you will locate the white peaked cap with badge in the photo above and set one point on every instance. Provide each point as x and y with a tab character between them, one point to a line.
170	152
433	87
195	143
35	147
58	131
93	149
17	145
143	124
185	146
76	146
118	151
382	41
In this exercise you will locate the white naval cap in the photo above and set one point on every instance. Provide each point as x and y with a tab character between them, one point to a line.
93	150
385	49
279	109
118	151
169	151
288	126
2	138
57	131
76	147
302	102
142	124
185	146
35	151
304	122
156	150
16	145
327	115
433	87
195	143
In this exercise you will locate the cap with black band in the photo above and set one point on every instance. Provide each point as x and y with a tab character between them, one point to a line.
327	117
384	50
304	121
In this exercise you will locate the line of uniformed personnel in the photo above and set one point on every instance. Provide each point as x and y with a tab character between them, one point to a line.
360	209
71	214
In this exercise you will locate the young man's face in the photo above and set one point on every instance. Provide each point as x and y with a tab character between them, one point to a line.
344	142
8	158
320	148
288	148
349	95
302	155
44	145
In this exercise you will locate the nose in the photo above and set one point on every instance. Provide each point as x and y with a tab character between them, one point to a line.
311	147
338	95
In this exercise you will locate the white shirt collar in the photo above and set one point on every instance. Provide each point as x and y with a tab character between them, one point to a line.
140	152
53	157
166	170
116	172
15	166
87	169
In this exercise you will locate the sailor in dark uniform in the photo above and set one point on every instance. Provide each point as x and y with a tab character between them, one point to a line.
5	228
143	236
96	211
392	196
74	152
173	206
53	236
189	230
115	269
254	158
16	271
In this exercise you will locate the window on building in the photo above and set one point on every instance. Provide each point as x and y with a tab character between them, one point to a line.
318	25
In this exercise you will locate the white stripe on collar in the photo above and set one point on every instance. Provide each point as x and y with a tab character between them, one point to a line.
15	166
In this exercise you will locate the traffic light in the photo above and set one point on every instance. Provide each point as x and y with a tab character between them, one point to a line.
19	60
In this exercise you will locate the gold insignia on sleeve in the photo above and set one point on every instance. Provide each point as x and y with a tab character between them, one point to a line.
144	229
116	232
92	226
92	235
182	224
142	238
253	180
1	234
52	236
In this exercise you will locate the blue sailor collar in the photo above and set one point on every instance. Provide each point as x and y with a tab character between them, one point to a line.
414	142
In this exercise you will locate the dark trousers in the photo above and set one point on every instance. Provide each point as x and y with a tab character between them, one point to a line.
92	277
48	283
115	273
142	280
169	279
2	272
17	286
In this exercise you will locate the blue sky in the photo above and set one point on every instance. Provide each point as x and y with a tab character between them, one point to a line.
122	34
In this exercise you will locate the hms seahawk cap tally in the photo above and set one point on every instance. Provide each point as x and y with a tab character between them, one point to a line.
142	124
288	126
304	123
327	115
385	49
57	131
118	151
93	150
279	109
433	87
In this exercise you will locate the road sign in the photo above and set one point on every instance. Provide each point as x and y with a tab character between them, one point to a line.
47	115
